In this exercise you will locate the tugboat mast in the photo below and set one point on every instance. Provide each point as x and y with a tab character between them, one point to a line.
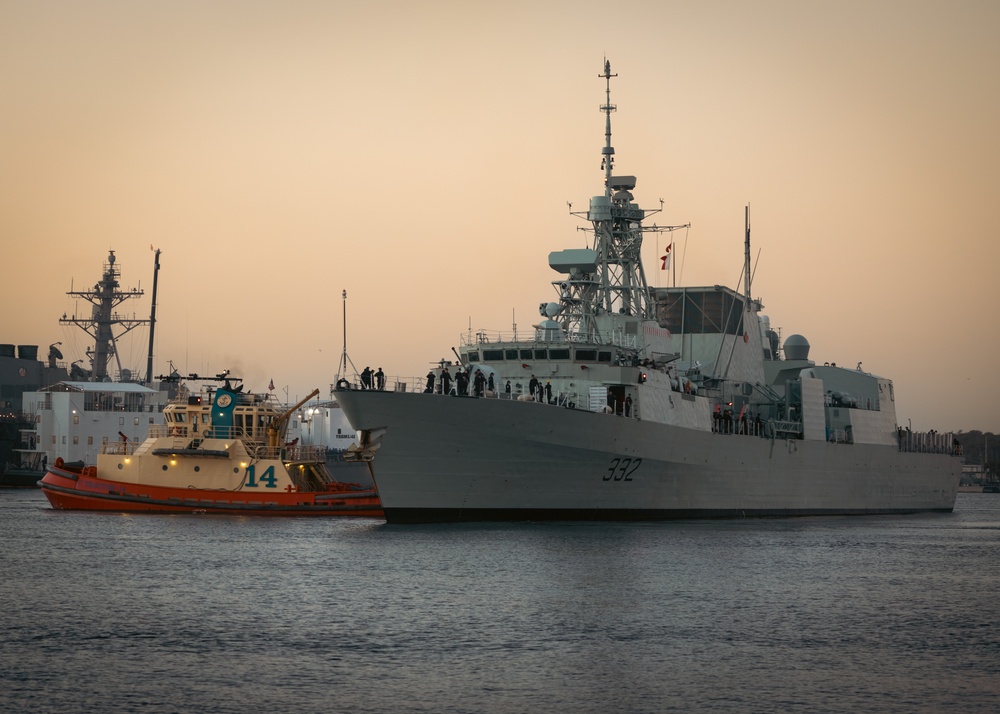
105	297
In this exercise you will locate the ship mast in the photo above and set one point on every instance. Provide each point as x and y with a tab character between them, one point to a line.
344	359
152	318
610	279
746	259
105	297
617	223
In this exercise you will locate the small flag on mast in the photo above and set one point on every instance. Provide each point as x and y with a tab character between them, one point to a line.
270	387
666	259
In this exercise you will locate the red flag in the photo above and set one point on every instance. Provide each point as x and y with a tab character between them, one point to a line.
270	387
666	259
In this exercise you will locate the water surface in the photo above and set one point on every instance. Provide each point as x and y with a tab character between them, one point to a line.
179	613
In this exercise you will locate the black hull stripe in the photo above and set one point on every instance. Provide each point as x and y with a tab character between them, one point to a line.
458	515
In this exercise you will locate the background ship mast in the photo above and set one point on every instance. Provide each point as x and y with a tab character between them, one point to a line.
105	297
344	359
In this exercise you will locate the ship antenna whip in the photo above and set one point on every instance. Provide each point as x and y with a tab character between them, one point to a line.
746	258
344	359
152	316
608	151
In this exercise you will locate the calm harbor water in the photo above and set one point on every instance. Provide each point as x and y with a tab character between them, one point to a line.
152	613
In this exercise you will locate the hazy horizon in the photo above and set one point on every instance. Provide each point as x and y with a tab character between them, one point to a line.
420	156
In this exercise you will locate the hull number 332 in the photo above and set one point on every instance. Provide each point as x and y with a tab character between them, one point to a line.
622	468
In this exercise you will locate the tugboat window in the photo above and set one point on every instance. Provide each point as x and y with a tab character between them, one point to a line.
603	356
492	355
474	356
586	355
541	354
526	354
511	354
559	354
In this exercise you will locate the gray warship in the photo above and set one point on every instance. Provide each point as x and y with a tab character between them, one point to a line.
636	403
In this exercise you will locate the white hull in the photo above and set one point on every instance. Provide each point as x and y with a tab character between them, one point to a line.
460	458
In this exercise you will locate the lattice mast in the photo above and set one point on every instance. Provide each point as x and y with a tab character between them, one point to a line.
610	278
102	324
617	223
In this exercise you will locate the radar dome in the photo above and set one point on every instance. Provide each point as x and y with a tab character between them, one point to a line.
796	347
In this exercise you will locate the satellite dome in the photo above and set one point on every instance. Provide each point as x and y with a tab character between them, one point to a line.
796	347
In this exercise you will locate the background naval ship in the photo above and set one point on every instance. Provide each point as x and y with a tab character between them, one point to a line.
51	410
638	404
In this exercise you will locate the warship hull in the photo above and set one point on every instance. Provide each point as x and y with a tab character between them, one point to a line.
447	459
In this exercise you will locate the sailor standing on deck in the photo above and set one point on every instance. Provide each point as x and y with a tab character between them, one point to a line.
380	380
445	381
533	387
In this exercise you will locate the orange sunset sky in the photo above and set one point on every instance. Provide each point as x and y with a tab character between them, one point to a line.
420	156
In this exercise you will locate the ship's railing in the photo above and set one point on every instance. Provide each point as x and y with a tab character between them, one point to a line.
392	384
743	427
512	338
159	431
418	385
305	452
296	452
183	430
929	442
119	448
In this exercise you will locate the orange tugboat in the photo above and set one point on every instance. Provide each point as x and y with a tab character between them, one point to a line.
220	452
